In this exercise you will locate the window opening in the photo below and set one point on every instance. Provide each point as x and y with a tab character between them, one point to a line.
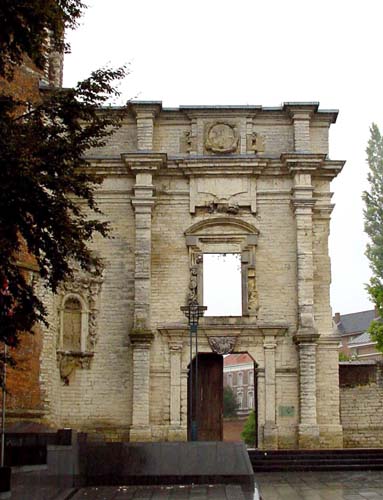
222	284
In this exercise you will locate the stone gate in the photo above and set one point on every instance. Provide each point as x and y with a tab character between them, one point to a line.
179	183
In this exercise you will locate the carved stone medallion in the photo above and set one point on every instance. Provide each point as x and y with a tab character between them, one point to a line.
222	345
221	138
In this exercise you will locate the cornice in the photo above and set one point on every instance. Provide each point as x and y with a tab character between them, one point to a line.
144	161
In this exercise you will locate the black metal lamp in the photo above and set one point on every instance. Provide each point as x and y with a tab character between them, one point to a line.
193	311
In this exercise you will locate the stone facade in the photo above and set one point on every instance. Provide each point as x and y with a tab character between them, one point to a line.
180	183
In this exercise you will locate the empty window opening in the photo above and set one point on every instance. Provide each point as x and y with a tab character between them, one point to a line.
222	284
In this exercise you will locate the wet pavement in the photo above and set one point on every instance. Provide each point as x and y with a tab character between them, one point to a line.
195	492
362	485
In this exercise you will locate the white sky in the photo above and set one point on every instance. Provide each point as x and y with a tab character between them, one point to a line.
257	52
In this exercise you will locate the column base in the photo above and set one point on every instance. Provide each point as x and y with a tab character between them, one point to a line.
331	436
177	433
270	436
308	436
140	433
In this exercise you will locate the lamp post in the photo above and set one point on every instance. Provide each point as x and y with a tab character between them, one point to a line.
193	311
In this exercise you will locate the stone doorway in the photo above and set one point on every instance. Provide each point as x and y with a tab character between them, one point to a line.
207	407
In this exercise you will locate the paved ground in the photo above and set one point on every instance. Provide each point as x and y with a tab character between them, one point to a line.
364	485
197	492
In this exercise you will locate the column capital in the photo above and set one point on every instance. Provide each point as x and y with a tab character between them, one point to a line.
302	162
301	110
141	337
144	161
310	337
145	109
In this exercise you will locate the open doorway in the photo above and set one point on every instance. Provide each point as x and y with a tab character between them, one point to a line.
240	399
222	394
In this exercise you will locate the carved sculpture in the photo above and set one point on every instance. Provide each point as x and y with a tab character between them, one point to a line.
228	208
193	285
187	142
255	143
221	137
222	345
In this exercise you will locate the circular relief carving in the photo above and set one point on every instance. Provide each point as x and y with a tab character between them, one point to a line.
221	138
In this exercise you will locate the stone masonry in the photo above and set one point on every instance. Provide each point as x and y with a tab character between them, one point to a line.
178	183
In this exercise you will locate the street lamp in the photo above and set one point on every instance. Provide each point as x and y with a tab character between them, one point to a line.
193	311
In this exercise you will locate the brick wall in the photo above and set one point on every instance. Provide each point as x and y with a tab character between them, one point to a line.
361	404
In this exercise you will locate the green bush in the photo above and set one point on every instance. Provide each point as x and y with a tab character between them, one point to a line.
249	430
230	403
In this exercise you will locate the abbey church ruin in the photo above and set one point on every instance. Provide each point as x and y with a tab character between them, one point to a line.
180	183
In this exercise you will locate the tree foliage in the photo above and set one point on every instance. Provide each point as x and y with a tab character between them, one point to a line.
47	203
249	430
230	403
23	30
373	215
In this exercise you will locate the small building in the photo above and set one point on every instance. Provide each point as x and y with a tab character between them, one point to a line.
355	340
238	373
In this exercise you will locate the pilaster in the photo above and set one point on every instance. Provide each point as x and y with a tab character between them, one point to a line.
146	113
301	114
270	430
175	433
140	429
144	166
308	430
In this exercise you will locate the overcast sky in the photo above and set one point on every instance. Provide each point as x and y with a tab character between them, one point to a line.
257	52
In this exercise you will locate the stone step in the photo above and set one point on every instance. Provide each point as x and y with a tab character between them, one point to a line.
282	460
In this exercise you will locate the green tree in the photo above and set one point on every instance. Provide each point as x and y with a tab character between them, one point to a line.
373	215
344	357
249	430
43	172
230	403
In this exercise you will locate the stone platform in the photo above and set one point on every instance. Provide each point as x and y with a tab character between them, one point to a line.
164	463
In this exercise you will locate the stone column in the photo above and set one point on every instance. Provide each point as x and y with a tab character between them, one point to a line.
143	165
143	203
270	431
308	430
140	429
306	337
175	432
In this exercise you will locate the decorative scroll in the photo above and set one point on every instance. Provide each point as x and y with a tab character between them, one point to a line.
222	345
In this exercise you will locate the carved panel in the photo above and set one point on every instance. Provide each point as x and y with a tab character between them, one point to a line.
223	194
221	137
222	345
68	361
